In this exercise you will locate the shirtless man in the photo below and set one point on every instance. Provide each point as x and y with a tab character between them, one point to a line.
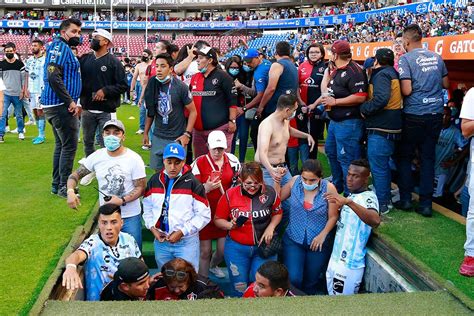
140	75
273	135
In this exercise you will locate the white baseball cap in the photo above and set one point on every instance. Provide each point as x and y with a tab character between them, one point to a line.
217	139
105	34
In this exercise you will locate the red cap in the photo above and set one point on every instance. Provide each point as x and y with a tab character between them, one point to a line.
341	47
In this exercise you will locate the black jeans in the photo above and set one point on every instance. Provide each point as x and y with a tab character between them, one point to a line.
90	122
419	132
65	130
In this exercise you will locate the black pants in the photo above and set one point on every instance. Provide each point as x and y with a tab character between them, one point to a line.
65	129
419	132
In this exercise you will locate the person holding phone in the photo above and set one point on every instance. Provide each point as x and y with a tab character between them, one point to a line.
250	212
217	171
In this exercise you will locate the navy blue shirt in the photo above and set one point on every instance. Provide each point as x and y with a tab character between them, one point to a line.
426	70
288	81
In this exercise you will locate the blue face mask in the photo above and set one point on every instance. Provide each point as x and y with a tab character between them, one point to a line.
203	70
247	68
164	80
112	142
233	72
310	187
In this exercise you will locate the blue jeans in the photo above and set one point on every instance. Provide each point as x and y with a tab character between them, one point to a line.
187	248
465	200
18	106
304	265
242	262
418	132
295	154
66	134
133	226
243	127
379	151
342	147
143	112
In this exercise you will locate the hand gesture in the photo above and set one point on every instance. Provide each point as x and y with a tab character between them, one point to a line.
73	200
74	109
159	235
339	200
311	142
71	279
99	95
211	185
317	243
174	237
267	236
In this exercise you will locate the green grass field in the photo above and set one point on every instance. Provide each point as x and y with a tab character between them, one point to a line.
437	242
36	227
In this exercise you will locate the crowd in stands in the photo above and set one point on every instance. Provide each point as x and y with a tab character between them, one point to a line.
271	14
281	229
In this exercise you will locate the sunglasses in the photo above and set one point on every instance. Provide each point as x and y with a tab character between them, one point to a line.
180	275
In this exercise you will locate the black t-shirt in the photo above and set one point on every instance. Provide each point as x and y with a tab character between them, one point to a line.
106	73
156	96
111	292
346	81
213	96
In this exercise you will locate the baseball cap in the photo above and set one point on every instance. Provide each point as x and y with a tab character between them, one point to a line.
131	270
369	63
207	51
105	34
251	53
385	56
217	139
115	123
341	47
174	150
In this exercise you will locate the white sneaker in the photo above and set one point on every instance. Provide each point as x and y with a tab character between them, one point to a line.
87	179
15	131
217	272
30	123
7	129
21	136
145	147
140	131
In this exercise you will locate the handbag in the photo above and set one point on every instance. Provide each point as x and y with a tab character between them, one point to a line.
276	245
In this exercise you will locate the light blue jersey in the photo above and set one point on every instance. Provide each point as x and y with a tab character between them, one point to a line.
35	68
352	233
103	260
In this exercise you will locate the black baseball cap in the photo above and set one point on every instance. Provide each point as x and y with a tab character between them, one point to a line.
385	56
131	270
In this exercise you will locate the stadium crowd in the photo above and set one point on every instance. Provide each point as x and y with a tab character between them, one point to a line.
281	227
271	14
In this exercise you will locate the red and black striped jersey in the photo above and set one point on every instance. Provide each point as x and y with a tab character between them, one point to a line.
259	210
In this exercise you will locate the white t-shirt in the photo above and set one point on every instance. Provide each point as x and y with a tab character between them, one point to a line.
116	174
190	71
2	85
467	112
